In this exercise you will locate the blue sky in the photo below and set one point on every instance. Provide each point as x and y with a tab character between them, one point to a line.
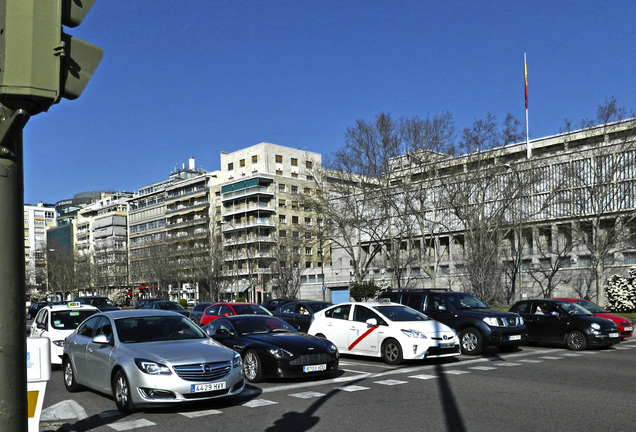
194	78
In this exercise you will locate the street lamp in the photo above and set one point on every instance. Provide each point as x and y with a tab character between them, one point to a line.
520	234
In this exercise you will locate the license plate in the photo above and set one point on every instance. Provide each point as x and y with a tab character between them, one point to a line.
629	328
612	335
315	368
514	337
197	388
446	345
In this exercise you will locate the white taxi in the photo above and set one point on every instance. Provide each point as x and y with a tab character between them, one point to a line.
56	322
384	329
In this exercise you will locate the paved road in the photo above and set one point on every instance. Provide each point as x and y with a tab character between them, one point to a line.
533	389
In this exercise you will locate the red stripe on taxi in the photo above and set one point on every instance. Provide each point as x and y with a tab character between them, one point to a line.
365	334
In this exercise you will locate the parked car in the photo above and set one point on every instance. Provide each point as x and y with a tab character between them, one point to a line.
167	306
383	329
272	348
148	358
561	322
197	311
142	302
476	324
273	304
56	322
104	304
35	307
219	310
300	313
625	327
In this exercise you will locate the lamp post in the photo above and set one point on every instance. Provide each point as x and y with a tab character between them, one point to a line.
520	234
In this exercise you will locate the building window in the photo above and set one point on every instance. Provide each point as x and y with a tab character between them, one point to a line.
319	222
308	264
230	166
281	203
308	164
254	159
294	175
281	187
294	162
279	158
307	251
307	221
279	172
307	191
308	235
295	219
282	233
294	190
295	205
282	219
242	162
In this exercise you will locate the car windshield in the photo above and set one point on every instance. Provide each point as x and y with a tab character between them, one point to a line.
169	306
97	302
248	326
249	309
70	319
401	313
590	307
157	328
466	301
573	309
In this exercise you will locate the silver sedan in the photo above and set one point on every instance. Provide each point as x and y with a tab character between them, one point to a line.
149	358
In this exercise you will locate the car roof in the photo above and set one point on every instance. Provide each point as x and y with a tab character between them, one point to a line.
132	313
371	304
59	307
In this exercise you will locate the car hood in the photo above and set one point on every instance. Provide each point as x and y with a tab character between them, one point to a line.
179	351
430	326
294	342
613	317
487	313
603	322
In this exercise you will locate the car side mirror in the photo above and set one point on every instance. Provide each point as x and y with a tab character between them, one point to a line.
222	332
555	313
372	322
101	339
41	326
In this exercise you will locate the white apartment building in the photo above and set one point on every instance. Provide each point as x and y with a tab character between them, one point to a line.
37	219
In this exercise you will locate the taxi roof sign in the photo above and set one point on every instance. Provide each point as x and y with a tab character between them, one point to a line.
74	304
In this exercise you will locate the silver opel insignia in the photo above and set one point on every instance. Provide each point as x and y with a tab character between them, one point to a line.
149	358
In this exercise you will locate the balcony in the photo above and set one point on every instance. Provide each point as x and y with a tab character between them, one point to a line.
250	191
237	209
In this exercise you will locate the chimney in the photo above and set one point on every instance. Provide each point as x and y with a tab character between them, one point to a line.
191	164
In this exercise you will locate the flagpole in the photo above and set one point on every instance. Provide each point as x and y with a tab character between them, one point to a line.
525	72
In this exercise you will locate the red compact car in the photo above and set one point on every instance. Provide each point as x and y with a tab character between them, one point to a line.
219	310
624	326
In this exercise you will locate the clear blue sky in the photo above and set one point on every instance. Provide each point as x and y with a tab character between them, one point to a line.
193	78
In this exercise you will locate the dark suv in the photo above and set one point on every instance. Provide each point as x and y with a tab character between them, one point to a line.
104	304
476	324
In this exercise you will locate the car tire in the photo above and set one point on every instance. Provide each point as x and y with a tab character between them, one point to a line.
69	376
252	367
392	352
122	393
575	341
471	341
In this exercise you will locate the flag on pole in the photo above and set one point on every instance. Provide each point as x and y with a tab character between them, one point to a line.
525	74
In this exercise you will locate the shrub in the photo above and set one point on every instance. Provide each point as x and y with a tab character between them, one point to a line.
361	291
621	292
183	302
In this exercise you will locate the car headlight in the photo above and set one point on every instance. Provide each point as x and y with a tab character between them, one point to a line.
520	320
281	353
152	368
237	360
59	343
596	326
414	333
491	321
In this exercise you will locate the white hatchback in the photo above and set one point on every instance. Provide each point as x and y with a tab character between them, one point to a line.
388	330
56	322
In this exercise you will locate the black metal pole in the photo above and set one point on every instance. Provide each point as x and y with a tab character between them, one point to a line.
13	368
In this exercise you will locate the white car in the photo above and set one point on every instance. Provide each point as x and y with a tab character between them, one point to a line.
56	322
384	329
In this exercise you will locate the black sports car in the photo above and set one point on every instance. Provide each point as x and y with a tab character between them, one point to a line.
272	348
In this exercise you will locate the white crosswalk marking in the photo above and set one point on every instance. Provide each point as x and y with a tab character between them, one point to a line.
531	361
130	425
454	372
483	368
423	376
551	358
203	413
391	382
307	395
352	388
258	403
508	364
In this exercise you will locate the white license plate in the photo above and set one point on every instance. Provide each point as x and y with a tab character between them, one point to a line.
315	368
446	345
614	335
629	328
514	337
197	388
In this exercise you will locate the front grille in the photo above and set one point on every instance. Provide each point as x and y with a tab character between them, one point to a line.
510	322
310	359
203	371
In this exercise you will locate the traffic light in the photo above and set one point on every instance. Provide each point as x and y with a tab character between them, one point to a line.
39	64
